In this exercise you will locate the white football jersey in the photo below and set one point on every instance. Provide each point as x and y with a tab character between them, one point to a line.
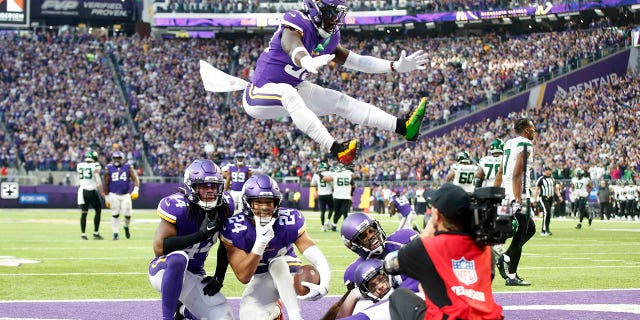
464	175
512	150
630	191
490	166
580	186
88	174
342	184
324	188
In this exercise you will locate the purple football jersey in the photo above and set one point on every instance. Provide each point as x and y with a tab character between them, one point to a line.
120	178
238	176
276	66
229	199
393	243
403	206
240	232
174	209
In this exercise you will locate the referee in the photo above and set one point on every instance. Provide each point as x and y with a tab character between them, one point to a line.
543	195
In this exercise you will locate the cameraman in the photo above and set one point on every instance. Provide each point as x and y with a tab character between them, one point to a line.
453	270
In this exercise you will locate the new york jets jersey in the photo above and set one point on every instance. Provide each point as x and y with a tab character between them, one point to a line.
464	175
490	166
580	186
342	184
88	174
324	188
512	150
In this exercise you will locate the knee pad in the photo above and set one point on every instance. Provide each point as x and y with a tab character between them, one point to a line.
177	260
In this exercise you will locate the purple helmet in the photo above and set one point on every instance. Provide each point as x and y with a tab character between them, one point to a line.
203	172
326	15
117	158
239	156
367	279
260	186
355	229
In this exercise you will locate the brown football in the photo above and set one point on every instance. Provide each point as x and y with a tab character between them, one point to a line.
307	273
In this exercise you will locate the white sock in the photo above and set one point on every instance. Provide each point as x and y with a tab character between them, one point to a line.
115	224
279	270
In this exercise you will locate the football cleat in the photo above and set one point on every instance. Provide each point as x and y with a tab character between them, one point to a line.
579	226
115	236
84	237
126	232
348	152
517	281
97	236
415	121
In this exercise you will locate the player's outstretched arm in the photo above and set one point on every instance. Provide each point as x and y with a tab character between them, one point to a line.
369	64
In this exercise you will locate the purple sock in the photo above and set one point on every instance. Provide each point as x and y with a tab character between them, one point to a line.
176	264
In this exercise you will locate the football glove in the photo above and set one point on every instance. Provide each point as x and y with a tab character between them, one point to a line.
313	63
415	61
209	225
263	236
212	286
135	193
107	200
516	206
316	291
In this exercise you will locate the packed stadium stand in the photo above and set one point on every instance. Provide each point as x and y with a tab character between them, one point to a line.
62	94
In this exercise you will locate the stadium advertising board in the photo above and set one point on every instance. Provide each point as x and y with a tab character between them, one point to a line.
604	72
115	10
14	13
177	19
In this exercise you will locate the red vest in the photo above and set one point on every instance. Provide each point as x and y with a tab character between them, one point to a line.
465	269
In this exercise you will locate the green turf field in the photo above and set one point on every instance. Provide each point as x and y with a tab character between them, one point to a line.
604	256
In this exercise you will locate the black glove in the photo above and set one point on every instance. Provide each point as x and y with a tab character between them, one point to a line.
213	285
210	224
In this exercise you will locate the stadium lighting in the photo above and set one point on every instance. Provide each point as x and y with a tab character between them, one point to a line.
635	7
507	21
409	26
599	12
430	25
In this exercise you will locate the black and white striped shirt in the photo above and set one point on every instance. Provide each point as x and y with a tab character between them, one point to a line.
546	185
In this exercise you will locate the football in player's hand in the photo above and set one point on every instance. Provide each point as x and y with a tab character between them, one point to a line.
307	273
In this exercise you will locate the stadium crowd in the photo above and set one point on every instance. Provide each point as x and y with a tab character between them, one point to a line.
414	6
177	120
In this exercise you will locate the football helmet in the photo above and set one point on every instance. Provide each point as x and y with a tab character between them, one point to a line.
239	156
117	158
463	158
322	166
91	156
204	172
579	173
372	281
363	235
496	146
260	186
327	15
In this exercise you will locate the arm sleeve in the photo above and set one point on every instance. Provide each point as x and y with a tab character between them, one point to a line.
367	64
222	262
172	244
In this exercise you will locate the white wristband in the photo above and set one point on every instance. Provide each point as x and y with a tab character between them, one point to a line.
295	52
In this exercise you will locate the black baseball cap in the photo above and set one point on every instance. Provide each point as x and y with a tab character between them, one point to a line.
451	200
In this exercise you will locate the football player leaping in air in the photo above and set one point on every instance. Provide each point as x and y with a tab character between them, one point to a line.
305	41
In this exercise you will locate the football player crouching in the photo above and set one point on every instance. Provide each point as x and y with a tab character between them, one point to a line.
259	242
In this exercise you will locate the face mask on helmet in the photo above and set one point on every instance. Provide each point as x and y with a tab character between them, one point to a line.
204	183
363	235
240	158
323	166
117	158
327	15
496	147
372	281
255	191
